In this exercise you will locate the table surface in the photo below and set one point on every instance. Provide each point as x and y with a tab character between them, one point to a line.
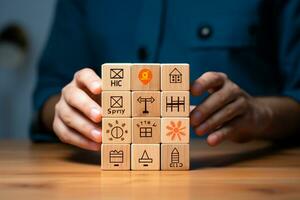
256	170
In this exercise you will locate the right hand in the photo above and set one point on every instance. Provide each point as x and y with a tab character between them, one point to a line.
77	115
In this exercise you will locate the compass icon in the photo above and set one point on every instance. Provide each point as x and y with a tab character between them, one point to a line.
117	130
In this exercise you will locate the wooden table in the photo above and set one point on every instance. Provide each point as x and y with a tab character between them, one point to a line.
253	171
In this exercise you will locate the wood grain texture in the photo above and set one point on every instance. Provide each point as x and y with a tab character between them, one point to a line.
146	104
145	76
146	130
116	130
145	157
175	130
256	170
175	103
175	77
116	76
175	157
116	103
115	156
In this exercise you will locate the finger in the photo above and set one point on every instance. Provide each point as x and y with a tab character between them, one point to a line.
207	82
219	118
75	120
220	135
192	107
213	103
89	79
70	136
78	99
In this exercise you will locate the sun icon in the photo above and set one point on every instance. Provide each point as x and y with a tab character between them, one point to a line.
117	130
175	130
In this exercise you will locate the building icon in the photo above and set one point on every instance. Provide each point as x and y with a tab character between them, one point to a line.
175	76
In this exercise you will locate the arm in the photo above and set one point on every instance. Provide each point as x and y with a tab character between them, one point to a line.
59	93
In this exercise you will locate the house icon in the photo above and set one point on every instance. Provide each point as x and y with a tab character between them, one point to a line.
175	76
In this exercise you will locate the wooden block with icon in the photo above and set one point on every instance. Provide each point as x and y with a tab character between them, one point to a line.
146	130
145	77
175	157
145	104
175	103
175	130
175	77
116	130
116	76
145	156
115	156
145	121
116	103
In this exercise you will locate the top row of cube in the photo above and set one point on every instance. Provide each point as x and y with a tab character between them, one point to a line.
155	77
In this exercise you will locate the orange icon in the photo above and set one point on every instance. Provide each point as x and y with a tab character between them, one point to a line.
145	76
175	130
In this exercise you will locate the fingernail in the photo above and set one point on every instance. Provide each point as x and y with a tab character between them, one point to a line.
200	130
213	139
95	113
195	118
96	85
96	134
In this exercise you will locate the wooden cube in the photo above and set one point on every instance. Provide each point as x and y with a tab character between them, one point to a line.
175	77
145	156
116	130
175	104
175	130
146	104
116	76
146	130
116	103
145	77
115	156
175	157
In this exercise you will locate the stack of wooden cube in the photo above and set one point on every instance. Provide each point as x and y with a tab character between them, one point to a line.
145	123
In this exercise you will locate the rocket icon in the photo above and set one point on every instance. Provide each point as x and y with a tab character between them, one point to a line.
175	158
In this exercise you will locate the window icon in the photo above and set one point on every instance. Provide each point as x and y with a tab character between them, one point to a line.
146	128
145	131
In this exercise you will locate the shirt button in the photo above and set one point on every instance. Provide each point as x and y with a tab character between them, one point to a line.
204	32
142	53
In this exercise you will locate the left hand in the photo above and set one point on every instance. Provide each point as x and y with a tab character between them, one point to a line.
228	112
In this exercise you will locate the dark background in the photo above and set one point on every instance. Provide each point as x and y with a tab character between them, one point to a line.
17	83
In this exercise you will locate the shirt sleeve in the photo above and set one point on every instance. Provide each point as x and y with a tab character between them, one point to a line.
289	48
66	51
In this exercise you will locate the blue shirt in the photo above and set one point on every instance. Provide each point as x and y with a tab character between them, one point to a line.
256	43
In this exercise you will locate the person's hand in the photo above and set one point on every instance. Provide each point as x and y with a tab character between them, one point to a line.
228	112
77	115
